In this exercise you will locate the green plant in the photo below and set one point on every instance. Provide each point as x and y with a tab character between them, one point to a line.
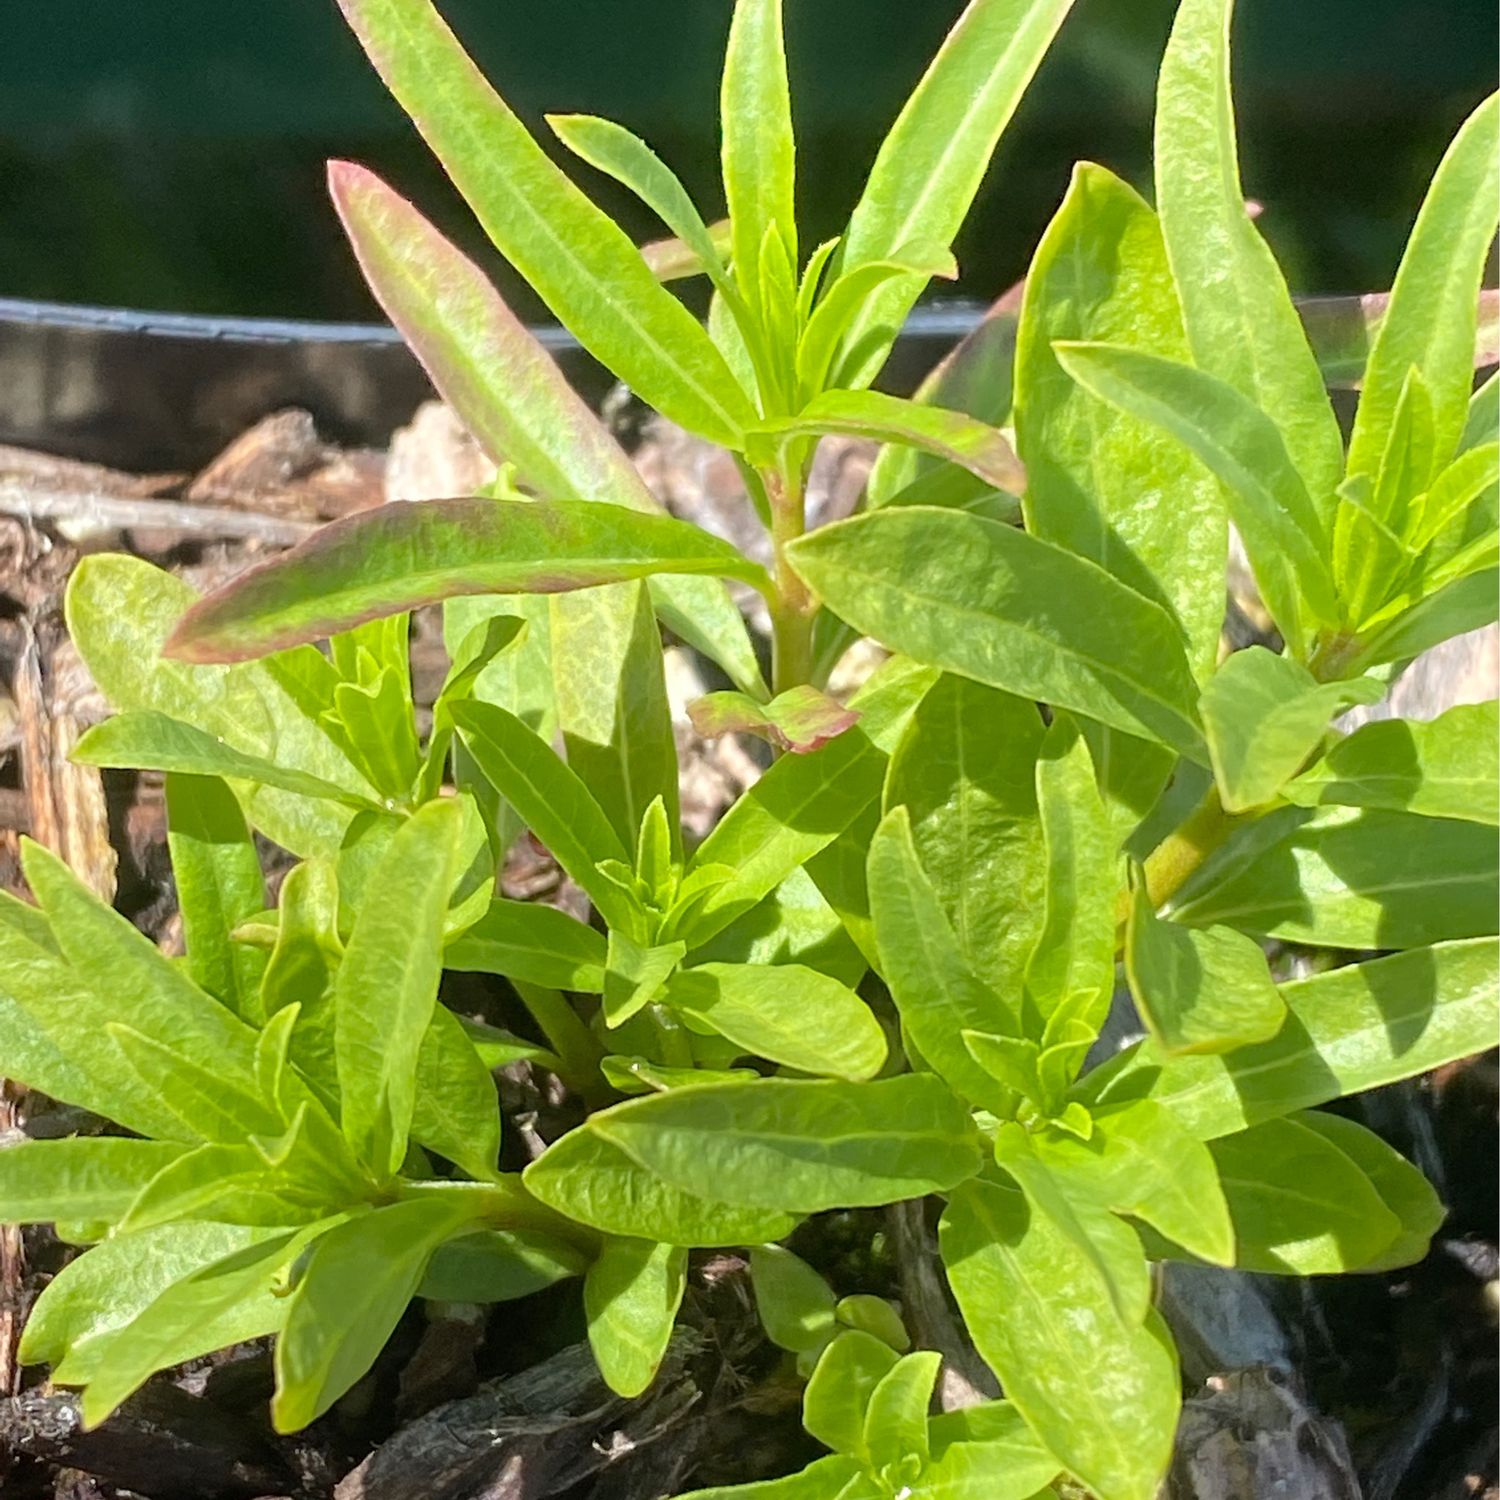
883	975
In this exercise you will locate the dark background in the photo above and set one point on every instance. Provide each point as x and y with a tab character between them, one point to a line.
167	153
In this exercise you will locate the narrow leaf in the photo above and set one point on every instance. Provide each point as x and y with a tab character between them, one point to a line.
1098	481
1300	1206
581	264
219	884
387	984
529	941
348	1299
1003	608
551	799
1239	316
1264	716
396	557
1100	1393
937	992
800	1147
932	161
965	770
630	1297
1268	501
788	1013
1352	1029
963	440
1328	878
755	115
1431	320
1448	768
1208	990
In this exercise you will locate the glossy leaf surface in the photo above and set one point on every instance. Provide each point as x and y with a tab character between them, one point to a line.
996	605
396	557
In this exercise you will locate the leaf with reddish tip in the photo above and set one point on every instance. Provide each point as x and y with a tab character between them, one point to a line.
581	264
483	360
801	720
399	556
978	447
510	393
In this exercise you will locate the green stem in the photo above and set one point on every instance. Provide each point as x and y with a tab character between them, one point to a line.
1182	852
792	613
573	1043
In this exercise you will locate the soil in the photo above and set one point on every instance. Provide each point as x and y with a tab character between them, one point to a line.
1363	1388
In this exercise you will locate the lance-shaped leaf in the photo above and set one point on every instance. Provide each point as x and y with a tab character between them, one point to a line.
387	984
1331	878
120	610
581	264
630	1296
1239	316
1300	1206
794	1302
1138	1160
936	990
591	1179
50	1025
841	302
931	163
1352	1029
81	1180
1095	1233
456	1111
1453	491
965	770
799	807
964	440
103	1289
1100	1393
801	720
1264	715
150	741
348	1299
488	366
788	1013
551	800
136	984
1071	971
973	377
896	1418
634	975
499	1265
996	605
800	1147
1235	440
1098	481
755	113
1402	1188
1448	768
228	1301
612	705
1208	990
528	941
396	557
219	884
1468	602
509	391
1430	323
630	161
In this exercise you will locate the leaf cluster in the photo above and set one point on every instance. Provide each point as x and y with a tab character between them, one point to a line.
884	975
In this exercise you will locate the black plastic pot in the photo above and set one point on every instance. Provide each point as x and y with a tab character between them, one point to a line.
143	390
